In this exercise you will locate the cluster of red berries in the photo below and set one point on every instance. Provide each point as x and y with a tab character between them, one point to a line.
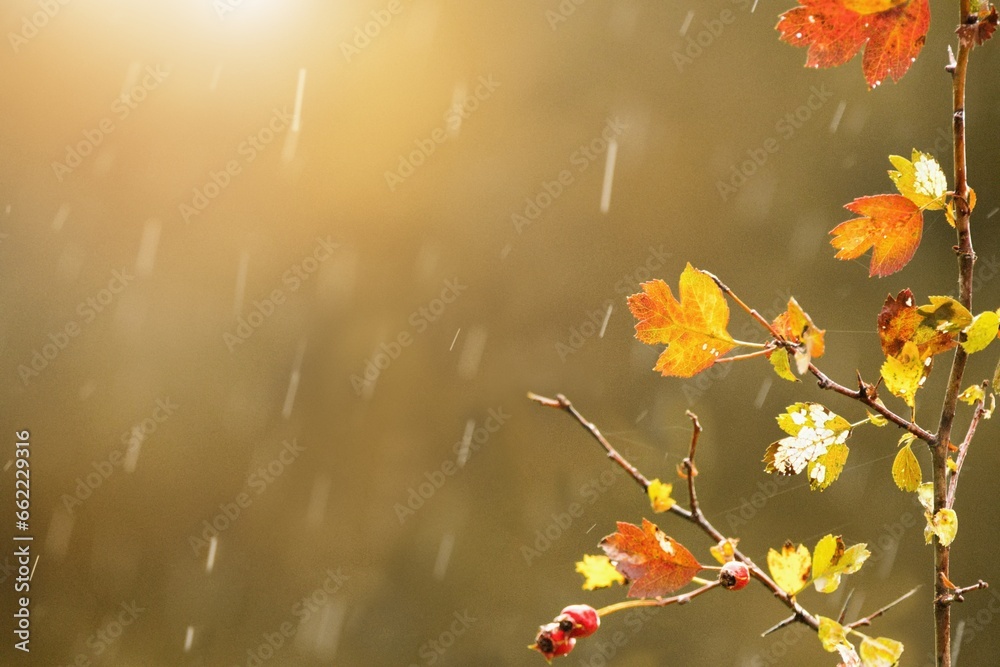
559	637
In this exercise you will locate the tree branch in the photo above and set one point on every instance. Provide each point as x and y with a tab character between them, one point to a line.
694	516
966	265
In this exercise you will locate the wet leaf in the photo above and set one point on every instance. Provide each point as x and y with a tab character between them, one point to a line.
655	563
892	33
694	328
891	224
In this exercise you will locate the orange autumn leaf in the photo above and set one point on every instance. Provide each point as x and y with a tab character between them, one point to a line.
892	224
899	322
892	33
796	325
656	564
694	328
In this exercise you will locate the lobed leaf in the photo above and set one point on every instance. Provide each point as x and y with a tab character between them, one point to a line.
656	564
921	180
659	495
892	33
598	572
790	567
831	560
891	224
904	374
816	442
694	328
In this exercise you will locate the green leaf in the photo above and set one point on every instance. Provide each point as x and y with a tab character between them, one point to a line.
981	332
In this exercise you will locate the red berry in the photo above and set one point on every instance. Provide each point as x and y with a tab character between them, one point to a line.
734	575
579	620
552	641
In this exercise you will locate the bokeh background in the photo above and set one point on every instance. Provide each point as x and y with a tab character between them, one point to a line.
220	376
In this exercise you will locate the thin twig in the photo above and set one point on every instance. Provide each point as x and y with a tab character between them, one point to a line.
749	311
867	620
963	449
779	625
867	396
958	595
843	608
801	614
861	394
683	598
688	463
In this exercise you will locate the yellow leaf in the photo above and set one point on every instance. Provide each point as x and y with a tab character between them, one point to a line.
925	494
598	572
950	463
659	495
724	551
880	652
816	441
831	559
972	394
906	469
831	634
795	325
921	181
877	420
826	468
779	361
904	374
789	568
981	332
944	524
945	314
693	328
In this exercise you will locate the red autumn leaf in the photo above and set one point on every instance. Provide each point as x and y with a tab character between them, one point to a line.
693	328
892	224
981	29
656	564
897	322
892	33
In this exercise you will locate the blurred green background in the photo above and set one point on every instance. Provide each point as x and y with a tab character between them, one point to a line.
292	190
